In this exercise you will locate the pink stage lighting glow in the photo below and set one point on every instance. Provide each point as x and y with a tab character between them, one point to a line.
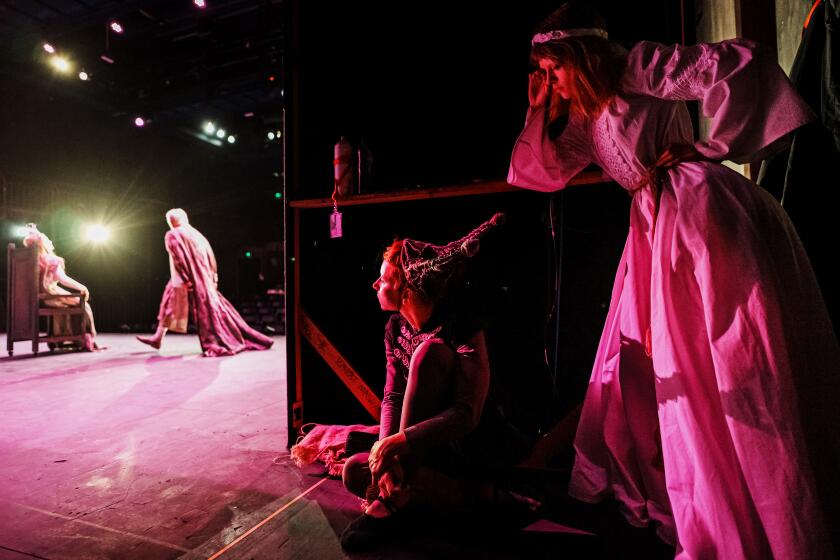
107	59
49	48
200	3
116	27
139	122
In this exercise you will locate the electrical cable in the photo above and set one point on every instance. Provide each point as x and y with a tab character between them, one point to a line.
555	218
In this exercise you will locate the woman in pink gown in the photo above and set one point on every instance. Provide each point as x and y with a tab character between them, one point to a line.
711	410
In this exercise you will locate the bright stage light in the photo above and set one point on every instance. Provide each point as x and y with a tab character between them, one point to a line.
84	76
116	27
97	233
209	127
49	48
200	3
231	139
221	133
270	136
60	63
19	231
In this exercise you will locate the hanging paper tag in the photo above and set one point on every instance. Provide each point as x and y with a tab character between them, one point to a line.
335	224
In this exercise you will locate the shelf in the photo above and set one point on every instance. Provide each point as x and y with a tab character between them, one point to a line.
484	187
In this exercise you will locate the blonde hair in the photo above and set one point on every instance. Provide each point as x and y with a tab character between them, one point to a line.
44	244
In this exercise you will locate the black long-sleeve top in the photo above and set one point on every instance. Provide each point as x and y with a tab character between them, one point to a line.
471	382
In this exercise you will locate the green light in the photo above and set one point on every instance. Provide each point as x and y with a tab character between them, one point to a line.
278	195
248	254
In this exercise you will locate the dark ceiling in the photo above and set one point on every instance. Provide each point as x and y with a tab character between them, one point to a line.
175	64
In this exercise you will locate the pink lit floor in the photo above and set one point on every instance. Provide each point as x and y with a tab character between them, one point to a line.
134	453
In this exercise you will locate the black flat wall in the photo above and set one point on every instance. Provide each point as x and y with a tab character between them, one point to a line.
437	92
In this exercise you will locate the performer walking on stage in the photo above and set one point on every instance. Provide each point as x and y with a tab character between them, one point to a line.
221	330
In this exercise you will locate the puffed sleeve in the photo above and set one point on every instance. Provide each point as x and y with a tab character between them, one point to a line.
541	164
54	265
741	88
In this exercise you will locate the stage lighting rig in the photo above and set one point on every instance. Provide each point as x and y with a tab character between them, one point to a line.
97	233
61	64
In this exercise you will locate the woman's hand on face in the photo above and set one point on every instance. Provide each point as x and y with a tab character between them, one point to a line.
537	88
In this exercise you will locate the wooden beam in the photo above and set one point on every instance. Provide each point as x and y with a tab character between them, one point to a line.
486	187
339	364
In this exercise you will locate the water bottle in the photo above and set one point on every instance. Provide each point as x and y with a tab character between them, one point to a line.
343	154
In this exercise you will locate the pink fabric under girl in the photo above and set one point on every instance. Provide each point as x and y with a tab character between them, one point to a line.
714	436
325	443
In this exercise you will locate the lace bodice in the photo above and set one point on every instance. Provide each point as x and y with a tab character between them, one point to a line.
631	134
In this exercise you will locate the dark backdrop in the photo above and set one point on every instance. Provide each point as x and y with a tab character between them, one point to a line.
437	93
64	162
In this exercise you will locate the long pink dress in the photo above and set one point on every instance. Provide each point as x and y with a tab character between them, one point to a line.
221	330
725	433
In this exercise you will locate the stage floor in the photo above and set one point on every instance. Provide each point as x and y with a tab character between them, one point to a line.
134	453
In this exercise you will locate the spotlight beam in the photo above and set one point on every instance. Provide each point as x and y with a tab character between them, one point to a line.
97	233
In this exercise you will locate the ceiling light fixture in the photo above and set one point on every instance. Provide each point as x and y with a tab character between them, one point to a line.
200	4
84	76
49	48
116	27
209	127
60	63
139	122
231	139
221	133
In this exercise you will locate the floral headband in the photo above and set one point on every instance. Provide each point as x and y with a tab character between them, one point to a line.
566	33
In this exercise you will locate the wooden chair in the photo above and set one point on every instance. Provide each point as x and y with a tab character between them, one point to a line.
25	303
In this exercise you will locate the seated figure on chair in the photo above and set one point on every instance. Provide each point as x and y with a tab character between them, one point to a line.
433	443
51	273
